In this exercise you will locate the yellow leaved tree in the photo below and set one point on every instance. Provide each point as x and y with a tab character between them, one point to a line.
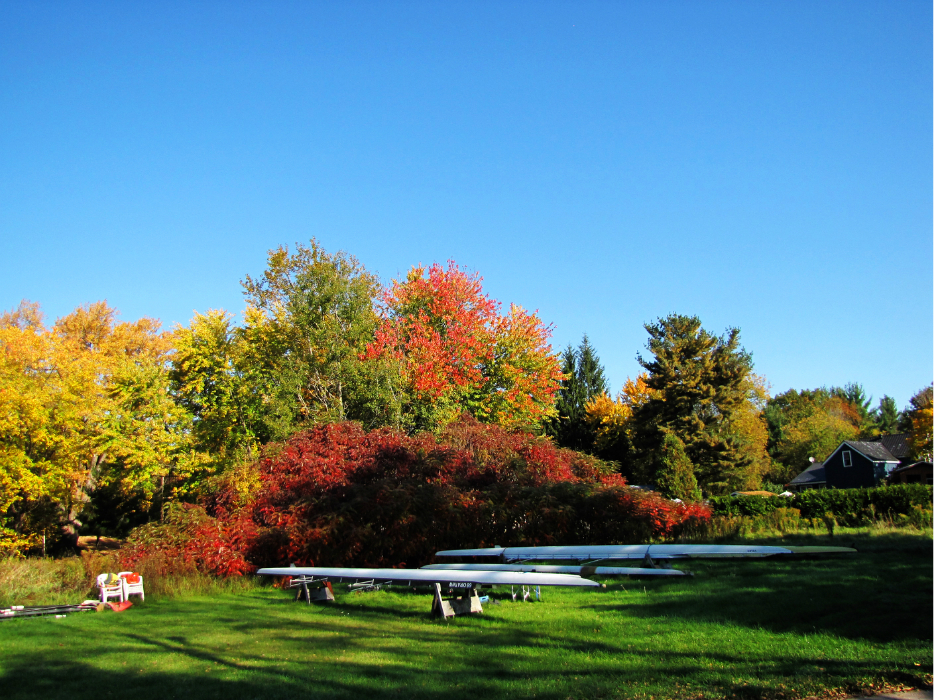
921	424
610	420
84	405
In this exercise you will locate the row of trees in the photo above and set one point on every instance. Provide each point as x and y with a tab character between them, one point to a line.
322	342
693	419
102	422
812	423
698	416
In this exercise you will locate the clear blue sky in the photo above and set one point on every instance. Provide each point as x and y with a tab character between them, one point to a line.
765	165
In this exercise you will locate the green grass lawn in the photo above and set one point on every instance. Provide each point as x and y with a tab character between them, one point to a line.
737	629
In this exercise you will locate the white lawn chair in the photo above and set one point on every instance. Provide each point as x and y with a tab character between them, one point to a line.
132	588
110	590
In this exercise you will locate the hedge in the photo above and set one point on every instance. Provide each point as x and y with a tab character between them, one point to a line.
849	506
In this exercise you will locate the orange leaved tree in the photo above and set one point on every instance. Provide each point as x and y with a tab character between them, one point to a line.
459	354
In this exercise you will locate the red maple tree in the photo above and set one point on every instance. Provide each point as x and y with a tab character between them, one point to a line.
458	353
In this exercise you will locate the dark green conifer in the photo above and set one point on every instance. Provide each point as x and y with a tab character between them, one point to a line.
590	372
675	476
886	416
699	380
584	379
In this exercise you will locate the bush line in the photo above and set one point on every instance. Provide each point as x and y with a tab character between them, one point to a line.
851	507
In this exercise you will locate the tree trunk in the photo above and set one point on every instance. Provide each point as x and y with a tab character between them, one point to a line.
71	523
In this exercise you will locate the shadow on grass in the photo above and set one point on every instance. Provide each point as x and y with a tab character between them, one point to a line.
386	646
465	671
883	593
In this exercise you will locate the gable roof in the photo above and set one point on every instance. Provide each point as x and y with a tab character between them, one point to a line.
896	444
812	475
874	451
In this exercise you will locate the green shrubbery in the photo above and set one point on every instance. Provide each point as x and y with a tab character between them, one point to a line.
902	505
855	507
851	507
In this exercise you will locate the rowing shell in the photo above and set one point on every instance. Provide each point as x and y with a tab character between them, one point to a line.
638	551
555	569
450	578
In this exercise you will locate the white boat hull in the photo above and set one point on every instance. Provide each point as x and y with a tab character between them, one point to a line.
567	569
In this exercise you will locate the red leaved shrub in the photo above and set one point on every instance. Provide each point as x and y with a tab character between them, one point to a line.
188	539
337	495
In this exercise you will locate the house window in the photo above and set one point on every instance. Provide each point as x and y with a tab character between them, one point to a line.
847	458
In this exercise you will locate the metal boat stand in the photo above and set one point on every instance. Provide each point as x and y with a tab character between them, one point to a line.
465	604
320	594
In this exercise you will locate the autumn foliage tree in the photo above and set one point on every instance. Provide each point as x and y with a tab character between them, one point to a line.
746	426
85	406
309	319
457	353
339	495
808	423
297	360
920	423
214	379
610	421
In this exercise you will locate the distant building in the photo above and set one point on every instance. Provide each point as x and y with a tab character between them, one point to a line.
917	473
860	463
811	478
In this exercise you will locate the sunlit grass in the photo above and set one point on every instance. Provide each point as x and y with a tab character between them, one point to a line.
749	629
73	579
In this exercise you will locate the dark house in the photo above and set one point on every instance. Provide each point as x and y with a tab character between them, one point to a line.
855	464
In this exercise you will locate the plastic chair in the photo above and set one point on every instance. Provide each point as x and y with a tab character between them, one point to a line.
132	588
110	590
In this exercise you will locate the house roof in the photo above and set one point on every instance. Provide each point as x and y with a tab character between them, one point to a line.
905	467
875	451
812	475
897	444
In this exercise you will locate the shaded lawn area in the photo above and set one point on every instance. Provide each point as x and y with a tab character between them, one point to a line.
746	629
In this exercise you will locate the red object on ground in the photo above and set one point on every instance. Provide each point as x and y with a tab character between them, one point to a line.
120	607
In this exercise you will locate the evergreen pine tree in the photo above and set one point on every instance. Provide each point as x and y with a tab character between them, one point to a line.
886	417
675	476
854	394
567	400
584	379
590	371
699	384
